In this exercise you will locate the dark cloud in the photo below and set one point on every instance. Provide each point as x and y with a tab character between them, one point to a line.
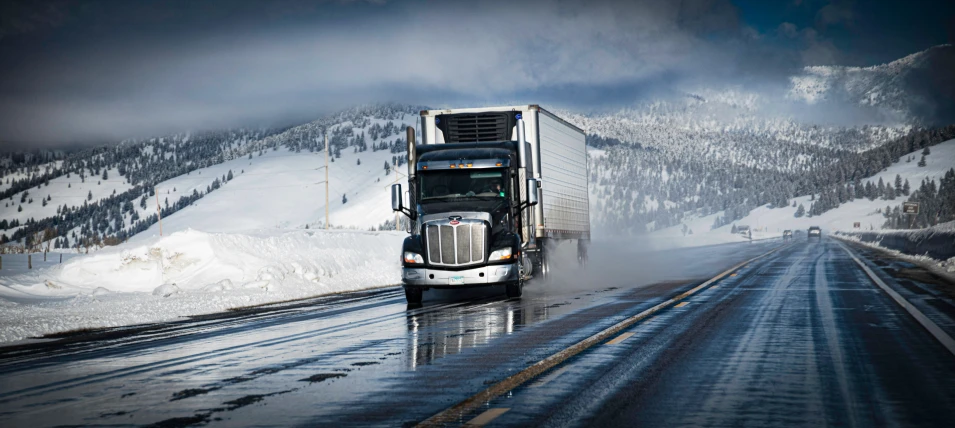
788	30
27	16
109	69
835	13
285	66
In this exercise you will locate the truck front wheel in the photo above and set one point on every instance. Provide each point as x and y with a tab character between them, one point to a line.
413	296
515	289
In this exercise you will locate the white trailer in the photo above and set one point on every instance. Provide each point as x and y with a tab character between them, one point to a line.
558	159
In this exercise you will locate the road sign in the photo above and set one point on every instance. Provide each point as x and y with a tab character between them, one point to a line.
856	225
910	207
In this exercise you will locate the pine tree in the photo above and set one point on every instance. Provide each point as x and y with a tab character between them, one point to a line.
89	196
19	208
105	175
898	184
926	151
922	161
344	199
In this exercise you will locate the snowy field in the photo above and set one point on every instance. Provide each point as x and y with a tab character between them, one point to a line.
192	273
18	264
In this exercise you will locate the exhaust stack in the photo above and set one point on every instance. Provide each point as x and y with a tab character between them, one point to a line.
521	143
411	152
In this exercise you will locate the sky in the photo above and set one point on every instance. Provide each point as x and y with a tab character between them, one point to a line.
97	71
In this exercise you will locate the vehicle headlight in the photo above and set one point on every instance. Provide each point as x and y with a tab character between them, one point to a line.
413	258
502	254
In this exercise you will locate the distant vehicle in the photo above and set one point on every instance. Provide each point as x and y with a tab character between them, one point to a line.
787	234
744	231
815	232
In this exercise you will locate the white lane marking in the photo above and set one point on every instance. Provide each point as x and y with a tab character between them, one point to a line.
929	325
546	379
486	417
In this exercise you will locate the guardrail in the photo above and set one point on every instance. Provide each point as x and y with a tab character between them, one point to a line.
939	245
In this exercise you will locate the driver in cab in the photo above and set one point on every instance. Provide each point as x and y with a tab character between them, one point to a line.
494	186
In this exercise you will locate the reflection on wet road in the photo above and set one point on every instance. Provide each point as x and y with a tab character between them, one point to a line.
799	337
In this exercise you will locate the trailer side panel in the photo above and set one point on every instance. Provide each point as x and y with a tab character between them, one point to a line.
563	161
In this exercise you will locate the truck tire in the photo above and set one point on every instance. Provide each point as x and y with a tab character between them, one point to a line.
413	296
582	258
543	263
515	289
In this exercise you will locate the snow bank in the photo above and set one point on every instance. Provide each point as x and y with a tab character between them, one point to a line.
937	242
191	273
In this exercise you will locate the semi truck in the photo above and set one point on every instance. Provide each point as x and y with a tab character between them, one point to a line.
491	193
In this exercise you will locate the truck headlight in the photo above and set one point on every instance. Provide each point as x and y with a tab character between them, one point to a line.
502	254
413	258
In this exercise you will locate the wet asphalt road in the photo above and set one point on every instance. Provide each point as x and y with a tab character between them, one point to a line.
800	337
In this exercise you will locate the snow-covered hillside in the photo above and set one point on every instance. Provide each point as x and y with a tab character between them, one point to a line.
285	189
918	87
869	213
255	178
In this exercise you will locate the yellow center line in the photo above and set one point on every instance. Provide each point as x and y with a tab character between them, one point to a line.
681	304
486	417
620	338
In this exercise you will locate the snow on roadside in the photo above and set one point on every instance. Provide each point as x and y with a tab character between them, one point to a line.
943	267
193	273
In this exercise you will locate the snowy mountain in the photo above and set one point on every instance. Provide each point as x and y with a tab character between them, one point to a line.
721	152
919	87
257	179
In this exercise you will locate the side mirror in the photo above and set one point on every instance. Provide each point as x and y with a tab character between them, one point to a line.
532	185
396	197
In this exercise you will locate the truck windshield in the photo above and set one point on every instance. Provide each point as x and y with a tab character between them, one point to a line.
448	184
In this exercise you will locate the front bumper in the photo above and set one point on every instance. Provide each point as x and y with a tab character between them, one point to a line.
438	278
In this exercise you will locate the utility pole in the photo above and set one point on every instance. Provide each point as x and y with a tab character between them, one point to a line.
397	217
158	210
326	180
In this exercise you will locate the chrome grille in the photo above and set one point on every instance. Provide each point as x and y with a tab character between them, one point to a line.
455	244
